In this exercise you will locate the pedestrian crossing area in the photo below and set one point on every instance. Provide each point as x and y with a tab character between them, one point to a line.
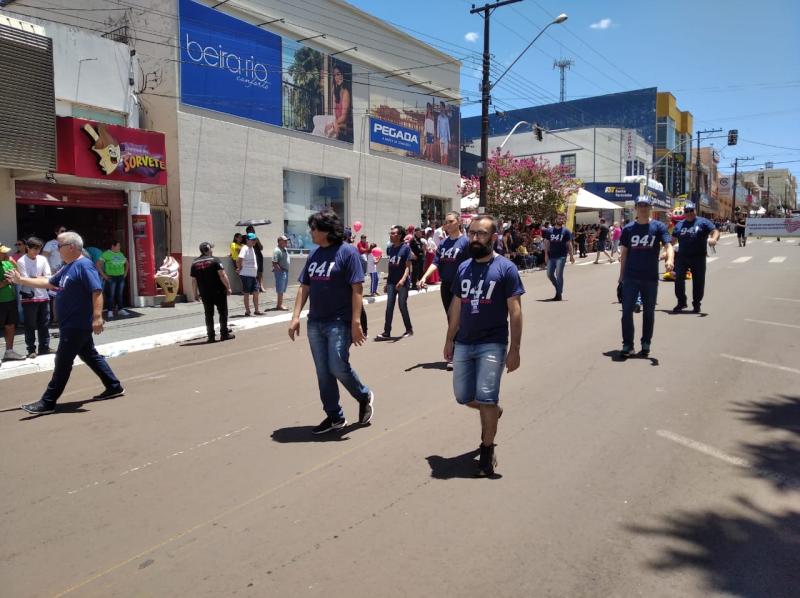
725	260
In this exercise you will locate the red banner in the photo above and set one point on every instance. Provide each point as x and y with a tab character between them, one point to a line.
101	151
144	254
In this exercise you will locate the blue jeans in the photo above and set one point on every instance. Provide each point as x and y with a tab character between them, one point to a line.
281	281
113	290
330	347
37	316
631	288
477	370
392	295
555	272
74	342
373	283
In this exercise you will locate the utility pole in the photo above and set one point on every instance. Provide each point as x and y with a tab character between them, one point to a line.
563	65
735	173
697	167
486	88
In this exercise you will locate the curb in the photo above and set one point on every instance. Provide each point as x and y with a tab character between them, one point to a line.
46	363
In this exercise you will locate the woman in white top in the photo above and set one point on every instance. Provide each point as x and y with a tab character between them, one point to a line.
35	302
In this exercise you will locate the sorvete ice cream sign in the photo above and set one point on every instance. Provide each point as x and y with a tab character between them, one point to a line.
229	65
393	135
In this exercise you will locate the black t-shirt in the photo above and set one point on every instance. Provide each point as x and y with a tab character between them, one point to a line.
417	247
603	234
205	270
741	223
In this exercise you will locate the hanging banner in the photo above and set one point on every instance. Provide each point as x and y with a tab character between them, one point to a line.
774	227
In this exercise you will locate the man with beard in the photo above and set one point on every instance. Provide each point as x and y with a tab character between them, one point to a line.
557	245
487	293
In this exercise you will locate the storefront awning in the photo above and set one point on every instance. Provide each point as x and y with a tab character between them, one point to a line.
589	201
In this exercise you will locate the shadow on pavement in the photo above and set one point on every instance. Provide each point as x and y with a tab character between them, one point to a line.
433	365
686	312
616	355
777	461
750	554
462	466
303	434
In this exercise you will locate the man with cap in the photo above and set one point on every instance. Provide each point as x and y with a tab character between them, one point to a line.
692	233
211	285
280	267
9	314
641	243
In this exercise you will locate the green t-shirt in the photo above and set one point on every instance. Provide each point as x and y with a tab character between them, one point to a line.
113	262
7	293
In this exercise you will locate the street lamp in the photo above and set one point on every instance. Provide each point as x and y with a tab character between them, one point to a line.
533	126
486	86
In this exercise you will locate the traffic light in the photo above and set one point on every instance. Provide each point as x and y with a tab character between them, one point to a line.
539	132
733	136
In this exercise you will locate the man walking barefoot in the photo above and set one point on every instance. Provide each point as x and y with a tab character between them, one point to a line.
487	293
333	281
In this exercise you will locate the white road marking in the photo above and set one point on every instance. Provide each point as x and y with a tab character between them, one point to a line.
765	364
778	259
785	299
585	263
771	323
768	240
712	259
152	463
743	259
783	481
727	243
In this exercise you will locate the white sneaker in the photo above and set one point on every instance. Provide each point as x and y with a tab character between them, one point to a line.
124	312
109	315
11	355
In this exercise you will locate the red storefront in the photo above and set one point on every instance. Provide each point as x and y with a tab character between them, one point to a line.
101	171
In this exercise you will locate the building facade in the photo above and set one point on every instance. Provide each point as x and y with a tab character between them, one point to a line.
272	113
774	189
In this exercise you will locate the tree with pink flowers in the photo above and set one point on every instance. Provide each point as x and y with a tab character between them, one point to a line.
521	187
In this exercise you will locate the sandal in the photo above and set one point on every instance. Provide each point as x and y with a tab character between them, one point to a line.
259	313
246	314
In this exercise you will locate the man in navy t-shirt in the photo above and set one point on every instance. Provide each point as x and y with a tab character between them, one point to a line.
333	279
398	282
557	245
641	243
449	255
79	304
487	294
692	234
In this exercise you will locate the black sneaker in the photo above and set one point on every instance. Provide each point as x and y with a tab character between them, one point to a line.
407	333
557	298
39	408
695	308
383	337
679	308
627	351
211	339
449	366
110	393
637	308
227	337
44	351
487	461
365	409
328	424
645	352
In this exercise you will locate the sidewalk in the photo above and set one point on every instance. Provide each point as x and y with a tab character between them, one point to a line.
150	327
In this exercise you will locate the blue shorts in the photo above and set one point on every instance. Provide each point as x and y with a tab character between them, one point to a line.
249	284
281	281
477	370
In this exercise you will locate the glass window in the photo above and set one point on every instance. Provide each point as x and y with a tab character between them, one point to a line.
661	132
303	195
629	168
568	160
432	210
670	133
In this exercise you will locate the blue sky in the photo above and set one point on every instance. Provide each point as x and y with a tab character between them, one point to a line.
732	64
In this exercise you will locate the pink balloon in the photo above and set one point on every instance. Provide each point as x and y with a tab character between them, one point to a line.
377	252
357	225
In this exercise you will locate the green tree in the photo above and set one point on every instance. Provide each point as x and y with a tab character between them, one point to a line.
305	100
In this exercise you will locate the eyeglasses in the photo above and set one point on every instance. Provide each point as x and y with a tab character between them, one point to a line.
60	245
479	233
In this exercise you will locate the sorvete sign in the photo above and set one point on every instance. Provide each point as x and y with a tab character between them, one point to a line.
228	65
386	133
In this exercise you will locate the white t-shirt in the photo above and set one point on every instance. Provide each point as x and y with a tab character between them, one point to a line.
249	263
54	259
438	236
32	269
372	265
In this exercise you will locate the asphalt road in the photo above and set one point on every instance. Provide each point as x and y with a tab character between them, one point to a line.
677	475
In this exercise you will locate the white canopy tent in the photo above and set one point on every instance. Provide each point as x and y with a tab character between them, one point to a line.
590	201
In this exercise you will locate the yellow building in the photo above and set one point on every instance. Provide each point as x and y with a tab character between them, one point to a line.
673	140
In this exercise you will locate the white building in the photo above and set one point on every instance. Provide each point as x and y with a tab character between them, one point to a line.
246	94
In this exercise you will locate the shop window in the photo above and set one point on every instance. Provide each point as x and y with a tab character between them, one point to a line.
432	210
569	161
303	195
99	115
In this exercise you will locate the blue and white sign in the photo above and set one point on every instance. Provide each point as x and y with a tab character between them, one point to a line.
386	133
228	65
